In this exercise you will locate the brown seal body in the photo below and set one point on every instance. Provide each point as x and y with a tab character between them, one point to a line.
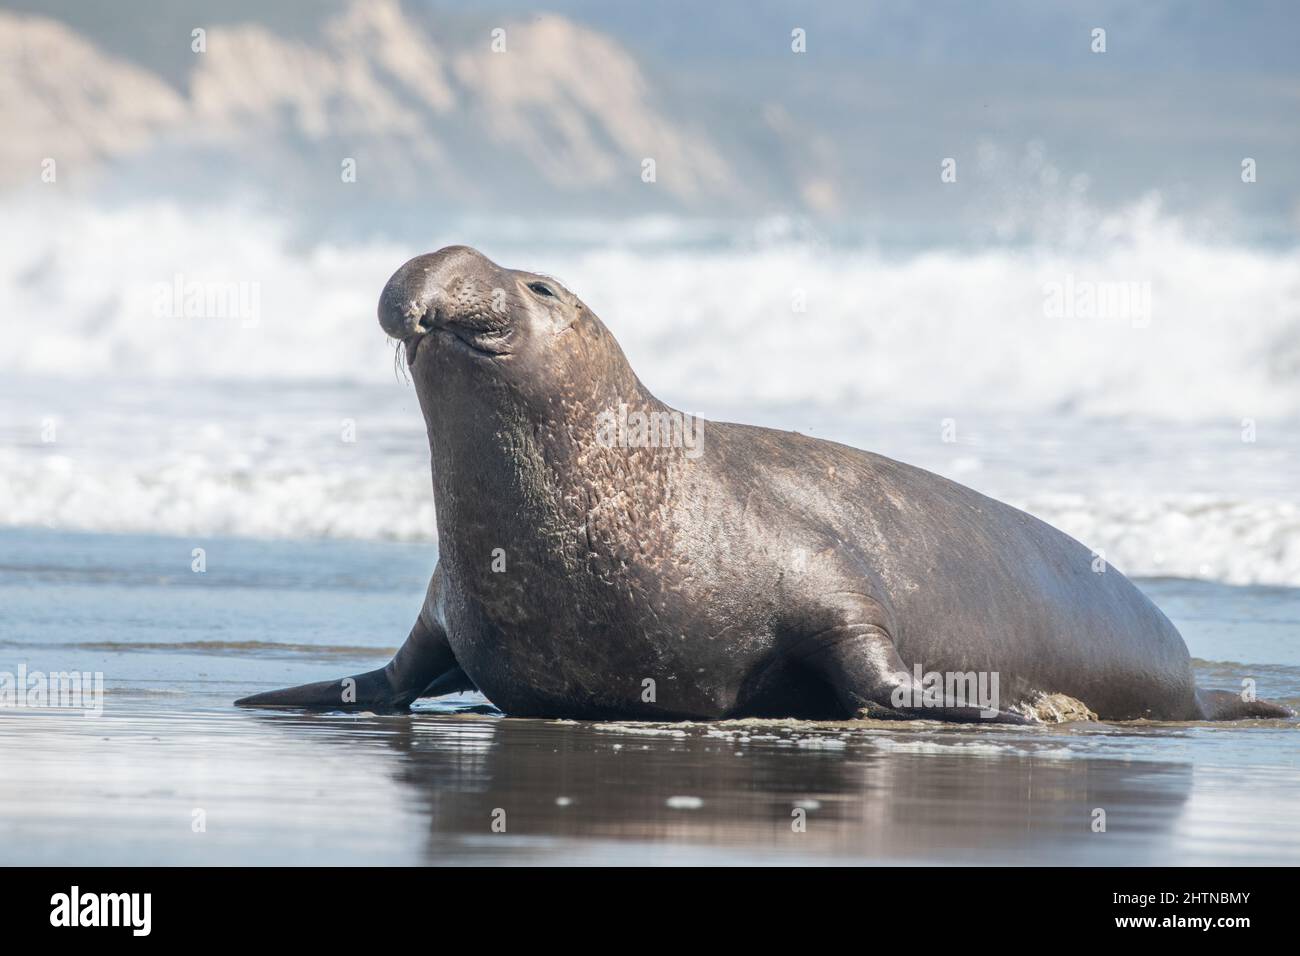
602	555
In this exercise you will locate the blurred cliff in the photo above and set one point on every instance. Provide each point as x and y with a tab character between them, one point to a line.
738	124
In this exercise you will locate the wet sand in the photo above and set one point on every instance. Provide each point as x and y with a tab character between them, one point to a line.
426	788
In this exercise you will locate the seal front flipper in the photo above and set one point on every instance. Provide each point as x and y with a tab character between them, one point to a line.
425	659
454	681
854	652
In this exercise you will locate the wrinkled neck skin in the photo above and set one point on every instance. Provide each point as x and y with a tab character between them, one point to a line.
533	477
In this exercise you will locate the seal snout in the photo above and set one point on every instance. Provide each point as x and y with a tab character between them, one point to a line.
408	305
415	299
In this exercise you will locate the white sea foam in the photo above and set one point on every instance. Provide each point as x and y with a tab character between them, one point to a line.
270	461
206	426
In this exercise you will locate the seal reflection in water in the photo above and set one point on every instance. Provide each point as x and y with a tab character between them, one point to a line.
591	566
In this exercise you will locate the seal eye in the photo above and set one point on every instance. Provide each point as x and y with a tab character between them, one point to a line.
541	288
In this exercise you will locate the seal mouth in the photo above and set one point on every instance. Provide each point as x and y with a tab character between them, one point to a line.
469	341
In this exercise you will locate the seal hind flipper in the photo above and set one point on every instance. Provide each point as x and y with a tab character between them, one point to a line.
1225	705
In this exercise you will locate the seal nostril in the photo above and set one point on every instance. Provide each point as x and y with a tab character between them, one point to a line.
425	323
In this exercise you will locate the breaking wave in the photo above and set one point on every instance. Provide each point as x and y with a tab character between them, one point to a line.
197	366
1138	318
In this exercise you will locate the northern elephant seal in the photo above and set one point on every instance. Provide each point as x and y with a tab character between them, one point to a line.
602	555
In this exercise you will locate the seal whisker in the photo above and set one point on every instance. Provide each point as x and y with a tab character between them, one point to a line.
399	367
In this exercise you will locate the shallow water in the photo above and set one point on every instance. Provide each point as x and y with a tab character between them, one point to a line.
176	647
